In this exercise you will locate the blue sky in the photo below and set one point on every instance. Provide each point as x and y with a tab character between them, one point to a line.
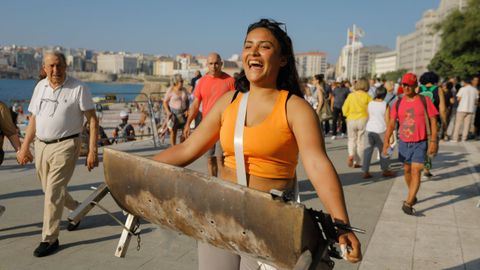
199	27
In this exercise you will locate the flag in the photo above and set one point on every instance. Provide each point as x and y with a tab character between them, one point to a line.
359	33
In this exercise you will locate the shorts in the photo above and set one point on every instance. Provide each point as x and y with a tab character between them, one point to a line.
215	151
412	152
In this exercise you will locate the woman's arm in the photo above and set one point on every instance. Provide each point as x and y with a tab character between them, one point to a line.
199	141
320	170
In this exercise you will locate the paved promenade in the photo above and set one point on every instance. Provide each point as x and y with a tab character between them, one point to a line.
444	235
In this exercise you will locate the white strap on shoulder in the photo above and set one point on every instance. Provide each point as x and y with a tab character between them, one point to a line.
238	140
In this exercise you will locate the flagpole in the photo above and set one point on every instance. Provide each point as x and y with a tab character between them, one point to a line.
353	52
346	55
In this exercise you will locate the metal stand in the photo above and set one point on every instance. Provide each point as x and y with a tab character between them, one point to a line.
91	201
87	204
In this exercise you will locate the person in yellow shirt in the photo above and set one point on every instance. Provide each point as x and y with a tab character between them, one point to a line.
355	109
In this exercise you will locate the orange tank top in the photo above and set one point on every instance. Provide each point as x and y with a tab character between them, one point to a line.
270	147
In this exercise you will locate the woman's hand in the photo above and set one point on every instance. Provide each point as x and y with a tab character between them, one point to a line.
349	242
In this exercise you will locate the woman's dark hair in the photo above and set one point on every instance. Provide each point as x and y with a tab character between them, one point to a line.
320	78
381	92
287	76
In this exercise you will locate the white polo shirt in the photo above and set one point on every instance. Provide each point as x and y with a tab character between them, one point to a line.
468	99
59	113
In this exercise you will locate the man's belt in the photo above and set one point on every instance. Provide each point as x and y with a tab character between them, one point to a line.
61	139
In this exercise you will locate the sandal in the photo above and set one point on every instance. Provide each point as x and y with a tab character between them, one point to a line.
388	173
414	201
350	161
367	175
408	209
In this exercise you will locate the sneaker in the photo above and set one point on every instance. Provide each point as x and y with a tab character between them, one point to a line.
72	226
343	135
2	210
333	137
45	249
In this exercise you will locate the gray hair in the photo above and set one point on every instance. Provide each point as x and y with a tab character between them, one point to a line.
57	54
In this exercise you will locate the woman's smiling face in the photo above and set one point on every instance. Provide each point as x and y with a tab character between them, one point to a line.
262	58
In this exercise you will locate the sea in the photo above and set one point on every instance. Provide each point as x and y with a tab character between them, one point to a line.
20	91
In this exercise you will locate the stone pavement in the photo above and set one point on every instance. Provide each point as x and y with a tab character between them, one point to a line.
445	235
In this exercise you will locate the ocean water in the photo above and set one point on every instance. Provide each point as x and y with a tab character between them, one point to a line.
21	90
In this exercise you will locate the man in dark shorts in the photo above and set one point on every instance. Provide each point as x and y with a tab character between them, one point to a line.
208	90
414	143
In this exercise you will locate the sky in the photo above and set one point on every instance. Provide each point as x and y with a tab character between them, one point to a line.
199	27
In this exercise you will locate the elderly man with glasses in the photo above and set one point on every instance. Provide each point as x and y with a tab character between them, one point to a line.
58	106
414	112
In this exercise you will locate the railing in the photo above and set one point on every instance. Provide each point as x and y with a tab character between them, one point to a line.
108	98
111	98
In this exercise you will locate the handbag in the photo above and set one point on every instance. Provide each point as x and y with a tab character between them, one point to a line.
325	113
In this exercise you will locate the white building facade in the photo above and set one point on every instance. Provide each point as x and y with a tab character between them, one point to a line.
385	62
116	64
416	50
311	63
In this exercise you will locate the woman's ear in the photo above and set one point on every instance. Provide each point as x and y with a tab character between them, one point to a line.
283	61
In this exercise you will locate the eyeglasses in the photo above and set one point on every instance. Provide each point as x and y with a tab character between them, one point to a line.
405	85
46	100
49	100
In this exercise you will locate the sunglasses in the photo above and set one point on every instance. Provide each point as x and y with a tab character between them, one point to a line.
405	85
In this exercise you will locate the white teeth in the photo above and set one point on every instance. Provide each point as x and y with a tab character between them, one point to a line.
254	62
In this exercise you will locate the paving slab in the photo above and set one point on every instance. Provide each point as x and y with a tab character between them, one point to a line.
393	240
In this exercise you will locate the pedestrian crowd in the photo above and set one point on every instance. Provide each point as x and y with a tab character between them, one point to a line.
267	112
414	115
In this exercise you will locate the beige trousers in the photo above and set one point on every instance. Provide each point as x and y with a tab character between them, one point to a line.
55	164
464	118
356	139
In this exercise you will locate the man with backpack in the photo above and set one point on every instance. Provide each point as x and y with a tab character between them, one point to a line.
417	117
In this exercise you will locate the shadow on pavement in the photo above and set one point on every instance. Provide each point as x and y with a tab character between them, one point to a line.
38	192
458	194
97	240
474	264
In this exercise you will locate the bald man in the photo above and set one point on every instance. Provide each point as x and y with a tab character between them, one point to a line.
208	90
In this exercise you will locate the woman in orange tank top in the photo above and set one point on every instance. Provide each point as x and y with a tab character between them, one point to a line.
279	125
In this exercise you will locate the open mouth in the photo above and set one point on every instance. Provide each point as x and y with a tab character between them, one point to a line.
255	64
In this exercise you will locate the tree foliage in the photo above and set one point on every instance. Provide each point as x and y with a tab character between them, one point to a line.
459	53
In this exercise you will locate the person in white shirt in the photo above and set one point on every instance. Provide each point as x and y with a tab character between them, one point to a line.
58	106
378	112
467	98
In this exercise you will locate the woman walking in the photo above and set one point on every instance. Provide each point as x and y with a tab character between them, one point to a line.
355	110
279	125
378	116
176	107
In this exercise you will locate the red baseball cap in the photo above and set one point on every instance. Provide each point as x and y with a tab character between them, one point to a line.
409	79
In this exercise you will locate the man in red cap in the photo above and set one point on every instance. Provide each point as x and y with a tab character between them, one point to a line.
414	144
